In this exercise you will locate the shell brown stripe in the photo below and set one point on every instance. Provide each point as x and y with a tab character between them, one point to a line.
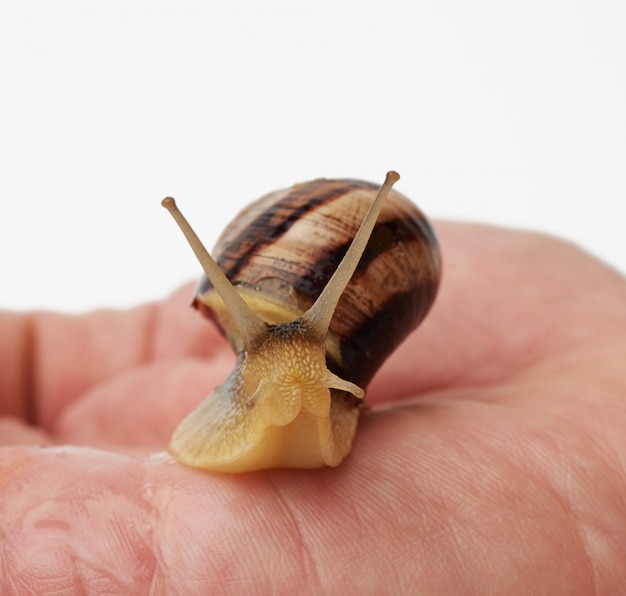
414	235
389	325
277	219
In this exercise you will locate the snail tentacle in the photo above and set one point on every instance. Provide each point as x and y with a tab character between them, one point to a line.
253	330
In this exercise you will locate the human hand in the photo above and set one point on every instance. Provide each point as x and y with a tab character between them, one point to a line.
492	459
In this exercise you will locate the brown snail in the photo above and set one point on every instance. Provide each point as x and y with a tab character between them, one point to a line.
314	286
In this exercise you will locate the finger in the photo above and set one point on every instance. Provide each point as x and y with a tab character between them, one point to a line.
14	431
142	407
424	501
52	359
507	300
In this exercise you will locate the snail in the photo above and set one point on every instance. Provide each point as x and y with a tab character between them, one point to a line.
314	286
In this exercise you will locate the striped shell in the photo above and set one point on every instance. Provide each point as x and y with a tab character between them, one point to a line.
281	250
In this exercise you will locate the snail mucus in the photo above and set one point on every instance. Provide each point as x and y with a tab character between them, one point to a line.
314	286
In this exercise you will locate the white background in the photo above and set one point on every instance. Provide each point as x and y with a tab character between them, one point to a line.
507	112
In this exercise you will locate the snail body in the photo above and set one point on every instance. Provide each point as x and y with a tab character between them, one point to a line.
314	286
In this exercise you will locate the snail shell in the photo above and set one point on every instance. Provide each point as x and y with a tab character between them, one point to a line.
292	399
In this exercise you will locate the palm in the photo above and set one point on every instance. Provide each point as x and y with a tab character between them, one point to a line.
490	462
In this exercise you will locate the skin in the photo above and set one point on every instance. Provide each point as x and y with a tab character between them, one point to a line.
492	459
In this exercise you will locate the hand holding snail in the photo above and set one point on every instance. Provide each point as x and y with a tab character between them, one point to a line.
299	310
494	438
